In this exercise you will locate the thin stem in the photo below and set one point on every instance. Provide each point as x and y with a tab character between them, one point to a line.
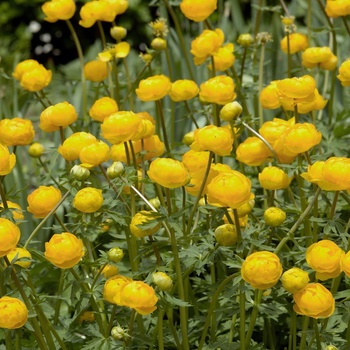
163	126
59	300
242	317
304	329
257	301
3	194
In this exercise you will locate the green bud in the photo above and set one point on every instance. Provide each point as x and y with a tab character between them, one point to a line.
115	254
115	170
80	173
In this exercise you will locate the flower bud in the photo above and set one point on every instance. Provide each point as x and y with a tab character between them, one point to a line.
155	202
115	254
118	32
158	44
162	281
188	138
226	235
115	170
36	149
274	216
146	57
231	111
119	333
109	270
245	40
79	173
331	347
294	280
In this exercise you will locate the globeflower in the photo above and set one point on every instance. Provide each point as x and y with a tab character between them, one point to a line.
198	10
73	145
220	90
345	263
273	129
297	42
223	58
336	171
319	56
299	89
97	70
231	189
153	88
16	210
344	73
141	218
120	50
314	301
183	90
16	132
96	11
294	280
269	96
324	257
13	313
20	253
206	44
274	216
169	173
138	296
88	200
195	160
111	288
274	178
226	235
103	108
7	160
337	8
94	154
64	250
213	138
261	270
55	10
58	116
162	280
9	236
253	151
42	200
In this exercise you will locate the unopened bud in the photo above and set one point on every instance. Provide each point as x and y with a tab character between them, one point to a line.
158	44
80	173
162	281
226	235
188	138
155	202
119	333
36	149
245	40
146	57
115	170
294	279
115	254
118	33
231	111
274	216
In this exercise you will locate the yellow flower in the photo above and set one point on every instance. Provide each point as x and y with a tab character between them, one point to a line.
20	253
261	270
301	137
118	6
319	56
269	96
139	296
299	89
314	301
194	161
32	76
111	289
213	138
344	73
223	58
206	44
226	235
64	250
231	189
273	178
162	281
273	129
9	236
147	126
252	151
305	107
337	8
121	126
183	90
36	150
96	11
109	271
294	280
94	154
324	257
153	88
120	50
13	313
55	10
336	171
60	115
274	216
42	200
16	132
297	42
198	10
88	200
16	210
87	316
220	90
345	263
283	154
95	71
103	108
7	160
231	111
72	145
169	173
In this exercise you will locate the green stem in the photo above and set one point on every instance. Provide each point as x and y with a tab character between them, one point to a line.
3	194
160	329
334	205
304	331
41	224
257	301
317	335
59	300
242	317
163	126
261	75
